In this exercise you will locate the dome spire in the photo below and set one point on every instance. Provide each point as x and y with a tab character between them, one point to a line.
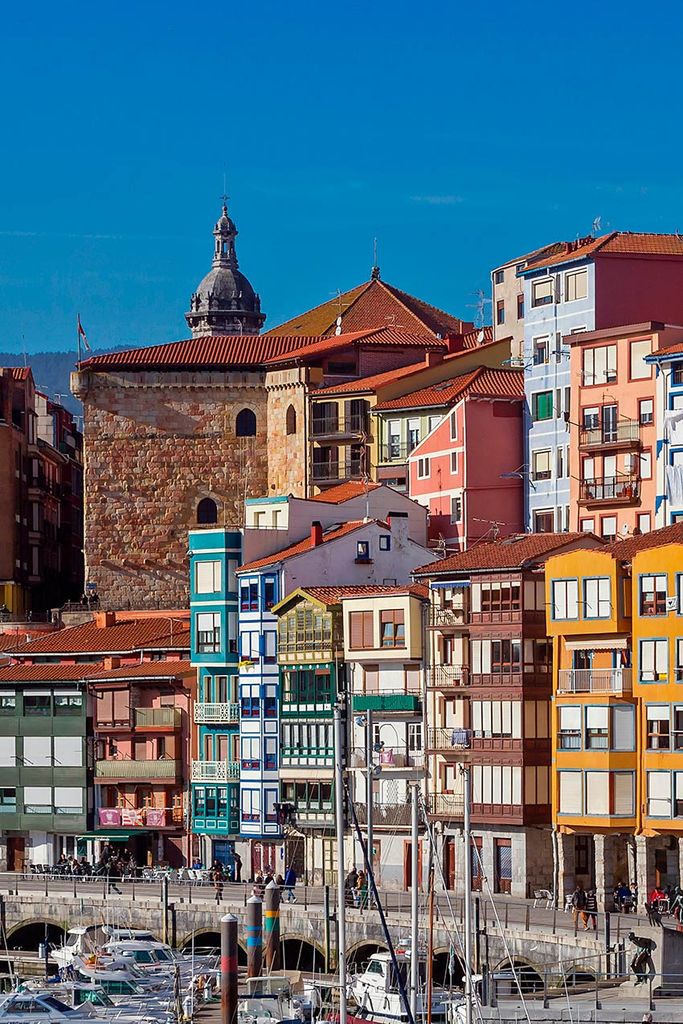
224	301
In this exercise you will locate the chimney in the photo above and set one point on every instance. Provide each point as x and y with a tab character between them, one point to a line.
111	662
456	343
434	358
104	619
316	534
398	524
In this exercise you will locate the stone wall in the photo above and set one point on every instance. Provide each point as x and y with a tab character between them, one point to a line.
155	445
287	406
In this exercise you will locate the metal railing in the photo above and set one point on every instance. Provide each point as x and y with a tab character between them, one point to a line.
610	488
333	426
446	805
388	758
331	471
150	717
215	771
623	430
447	676
136	769
395	452
218	712
594	680
449	739
384	814
447	616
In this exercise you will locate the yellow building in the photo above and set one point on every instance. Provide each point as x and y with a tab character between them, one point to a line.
614	615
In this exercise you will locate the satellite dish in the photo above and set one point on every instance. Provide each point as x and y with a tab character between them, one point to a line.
624	528
480	338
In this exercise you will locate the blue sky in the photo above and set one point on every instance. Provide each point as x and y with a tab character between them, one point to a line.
458	134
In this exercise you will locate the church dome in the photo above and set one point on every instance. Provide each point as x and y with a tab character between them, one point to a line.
224	301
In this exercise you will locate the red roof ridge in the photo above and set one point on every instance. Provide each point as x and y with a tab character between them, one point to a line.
513	551
306	544
357	291
340	493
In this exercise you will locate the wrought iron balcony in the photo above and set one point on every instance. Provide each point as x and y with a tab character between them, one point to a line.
149	718
334	472
221	712
609	435
446	805
451	739
384	815
353	425
594	680
445	677
395	451
388	758
167	768
447	617
215	771
609	489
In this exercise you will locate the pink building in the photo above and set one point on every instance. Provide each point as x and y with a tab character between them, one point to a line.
613	433
468	470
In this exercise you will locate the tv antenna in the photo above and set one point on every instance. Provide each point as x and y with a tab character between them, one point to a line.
480	306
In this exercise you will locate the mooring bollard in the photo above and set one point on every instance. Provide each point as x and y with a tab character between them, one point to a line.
254	937
271	926
229	969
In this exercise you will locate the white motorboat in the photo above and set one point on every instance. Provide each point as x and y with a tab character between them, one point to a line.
32	1007
377	994
80	941
95	1003
152	955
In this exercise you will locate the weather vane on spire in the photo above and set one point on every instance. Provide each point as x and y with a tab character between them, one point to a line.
225	196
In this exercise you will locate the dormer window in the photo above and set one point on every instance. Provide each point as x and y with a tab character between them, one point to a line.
363	551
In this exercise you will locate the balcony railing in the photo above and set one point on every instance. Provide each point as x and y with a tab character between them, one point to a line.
449	739
339	426
624	431
447	616
388	701
226	712
320	642
146	718
609	489
447	676
395	451
215	771
594	680
331	472
446	805
388	758
135	769
384	815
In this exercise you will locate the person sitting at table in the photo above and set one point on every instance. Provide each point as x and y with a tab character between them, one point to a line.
624	898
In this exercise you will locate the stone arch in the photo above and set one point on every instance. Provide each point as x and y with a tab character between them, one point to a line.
360	952
301	954
527	975
29	934
207	512
245	423
290	420
448	967
209	938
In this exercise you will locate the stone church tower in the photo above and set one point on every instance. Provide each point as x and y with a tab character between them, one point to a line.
224	302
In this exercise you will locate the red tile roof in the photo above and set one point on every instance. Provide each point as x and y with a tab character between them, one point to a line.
120	638
625	549
369	385
304	545
333	595
634	243
383	337
372	304
48	672
484	381
219	353
340	493
149	670
17	372
508	553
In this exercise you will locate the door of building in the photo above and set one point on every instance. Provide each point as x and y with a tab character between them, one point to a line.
502	865
477	872
661	877
263	858
408	863
16	853
449	861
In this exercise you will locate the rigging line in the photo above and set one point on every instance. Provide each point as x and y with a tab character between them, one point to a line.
380	910
502	932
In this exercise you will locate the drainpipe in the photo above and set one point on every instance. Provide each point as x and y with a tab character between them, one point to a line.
556	865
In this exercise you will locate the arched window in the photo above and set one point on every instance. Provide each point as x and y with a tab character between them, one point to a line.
207	512
291	420
245	425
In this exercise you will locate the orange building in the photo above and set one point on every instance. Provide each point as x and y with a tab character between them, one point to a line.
613	485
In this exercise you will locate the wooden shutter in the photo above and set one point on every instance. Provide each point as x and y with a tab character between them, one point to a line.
105	707
121	705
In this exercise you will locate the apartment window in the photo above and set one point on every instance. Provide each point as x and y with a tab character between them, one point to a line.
456	509
363	551
8	702
588	526
646	411
454	463
249	596
597	598
541	465
500	311
569	728
37	800
570	792
505	655
270	754
591	418
597	728
600	365
560	462
8	751
207	577
67	702
542	406
68	800
565	601
385	542
575	285
677	731
251	805
269	592
653	595
394	433
659	794
654	658
644	522
658	730
392	628
8	801
422	468
520	307
38	703
608	527
413	434
640	370
250	752
499	277
360	626
544	521
453	418
208	628
542	292
270	647
68	751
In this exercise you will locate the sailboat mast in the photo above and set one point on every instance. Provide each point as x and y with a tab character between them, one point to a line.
414	882
467	795
341	896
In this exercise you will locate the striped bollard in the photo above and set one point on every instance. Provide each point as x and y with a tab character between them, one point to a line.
254	937
271	927
229	969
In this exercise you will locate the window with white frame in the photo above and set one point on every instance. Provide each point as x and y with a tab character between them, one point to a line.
456	508
679	660
208	632
570	801
658	726
543	292
597	598
644	522
541	465
207	578
608	527
658	794
454	463
496	718
454	425
540	350
646	411
251	805
653	594
640	370
496	784
575	285
250	754
569	727
269	808
654	656
565	600
645	465
597	793
600	365
422	468
597	727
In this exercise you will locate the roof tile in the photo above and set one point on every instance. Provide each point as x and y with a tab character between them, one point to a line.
217	353
120	638
340	493
485	381
333	595
508	553
386	337
303	545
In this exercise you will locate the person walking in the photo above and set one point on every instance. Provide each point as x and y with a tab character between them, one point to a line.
290	882
641	963
218	880
578	901
590	913
238	867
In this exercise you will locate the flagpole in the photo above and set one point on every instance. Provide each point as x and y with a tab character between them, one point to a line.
78	339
